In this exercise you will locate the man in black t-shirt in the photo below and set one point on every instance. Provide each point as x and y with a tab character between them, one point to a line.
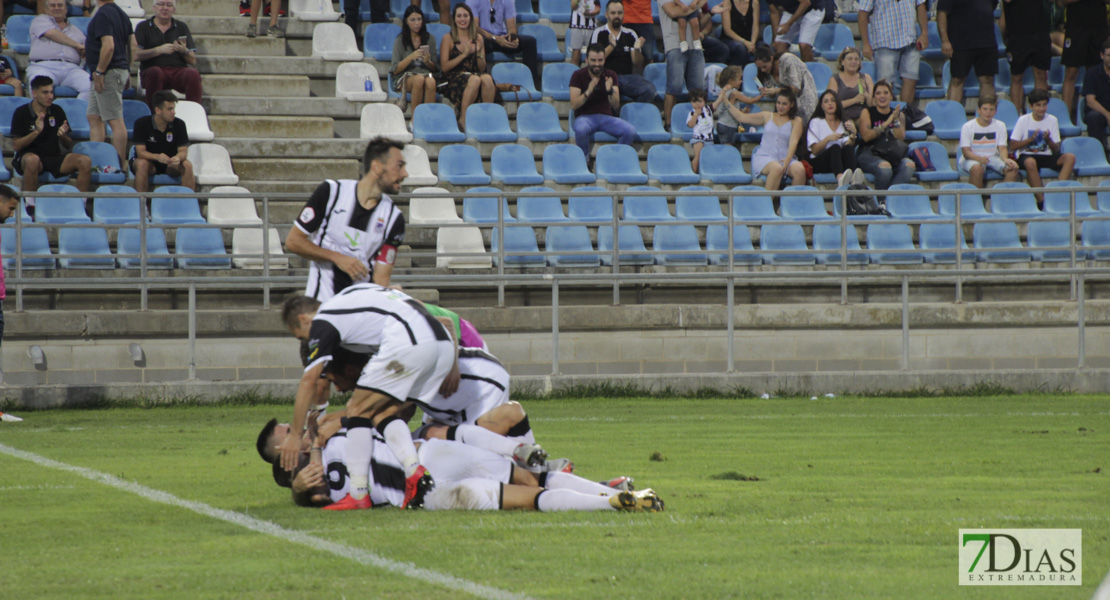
40	137
1028	43
161	145
1096	89
1084	31
624	54
966	30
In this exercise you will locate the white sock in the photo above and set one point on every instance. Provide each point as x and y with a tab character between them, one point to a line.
399	439
480	437
566	481
360	449
558	500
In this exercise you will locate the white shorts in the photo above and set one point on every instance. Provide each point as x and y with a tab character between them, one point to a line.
468	494
578	39
449	461
804	30
401	371
995	163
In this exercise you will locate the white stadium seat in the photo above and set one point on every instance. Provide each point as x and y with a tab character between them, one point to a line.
212	164
335	41
425	209
249	241
418	166
384	120
133	8
232	211
461	239
313	10
350	83
196	120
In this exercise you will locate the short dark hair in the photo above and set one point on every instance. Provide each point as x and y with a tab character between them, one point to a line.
8	192
883	83
1106	44
41	81
1037	95
378	149
161	97
296	306
341	357
595	47
263	444
697	95
992	100
612	2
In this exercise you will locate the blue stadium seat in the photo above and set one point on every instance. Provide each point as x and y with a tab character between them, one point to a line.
750	86
8	104
948	117
539	122
517	239
488	123
5	174
540	209
1095	233
933	51
1051	234
939	156
378	39
677	238
114	210
827	239
84	241
679	129
971	204
803	208
1102	199
910	208
670	165
76	110
556	80
7	90
570	238
19	34
483	209
208	242
158	253
460	164
565	164
1007	113
397	9
774	239
175	211
1058	109
516	73
590	209
646	208
103	155
753	133
555	11
60	210
927	86
133	110
753	208
619	164
656	73
547	46
938	243
524	12
892	236
831	39
34	241
698	208
1058	203
631	250
840	201
647	120
999	235
721	163
1018	205
971	84
716	238
1090	158
512	164
821	75
436	123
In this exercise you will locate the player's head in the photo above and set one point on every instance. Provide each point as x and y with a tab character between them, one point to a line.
614	14
384	161
9	201
344	368
297	314
164	103
271	436
1038	101
42	90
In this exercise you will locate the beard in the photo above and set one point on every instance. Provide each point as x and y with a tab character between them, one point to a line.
617	23
596	71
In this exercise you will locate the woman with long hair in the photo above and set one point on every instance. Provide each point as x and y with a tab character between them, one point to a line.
782	132
413	60
831	139
463	56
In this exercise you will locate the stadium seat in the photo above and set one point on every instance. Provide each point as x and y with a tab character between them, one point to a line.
1058	109
432	206
451	240
840	201
774	239
555	80
939	157
1059	203
517	239
313	11
677	238
439	30
679	129
488	123
59	210
891	236
1006	112
133	110
383	119
656	73
722	164
229	210
570	238
196	121
647	121
8	104
645	208
759	207
619	164
540	209
1102	198
512	164
350	83
1095	233
336	41
158	253
590	209
34	242
1090	158
116	210
831	39
555	11
631	250
910	208
971	202
999	235
84	241
208	242
418	167
934	50
827	239
539	122
948	118
938	243
19	34
524	12
133	8
1051	234
212	165
971	84
927	87
565	164
397	9
245	240
103	156
1017	205
750	86
803	208
547	46
698	208
517	74
670	165
483	209
459	164
716	238
821	75
175	211
76	109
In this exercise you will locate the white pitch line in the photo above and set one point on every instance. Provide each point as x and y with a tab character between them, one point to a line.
358	555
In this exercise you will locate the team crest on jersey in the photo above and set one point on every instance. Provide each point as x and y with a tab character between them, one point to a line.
169	136
1067	43
307	215
379	225
52	121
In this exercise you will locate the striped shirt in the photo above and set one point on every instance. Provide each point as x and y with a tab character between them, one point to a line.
387	477
893	23
578	18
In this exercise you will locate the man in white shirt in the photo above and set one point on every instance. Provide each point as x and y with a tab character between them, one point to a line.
983	145
57	47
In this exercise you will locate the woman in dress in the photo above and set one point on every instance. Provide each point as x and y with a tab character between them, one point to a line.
831	139
413	60
782	132
874	122
463	56
850	86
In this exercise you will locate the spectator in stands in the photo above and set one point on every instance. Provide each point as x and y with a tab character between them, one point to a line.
729	80
7	76
1085	34
595	99
740	29
36	6
966	30
688	67
875	122
783	69
273	30
583	22
624	54
109	49
831	138
700	120
796	22
983	145
893	33
1096	89
161	145
776	156
40	131
851	87
414	59
1035	142
638	18
57	48
1029	43
497	26
463	57
167	54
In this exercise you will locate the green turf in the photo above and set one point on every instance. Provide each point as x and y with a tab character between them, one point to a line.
782	498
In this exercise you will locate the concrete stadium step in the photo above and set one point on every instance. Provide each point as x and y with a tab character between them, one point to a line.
281	64
334	148
271	127
210	25
239	45
264	105
268	186
295	169
257	85
209	8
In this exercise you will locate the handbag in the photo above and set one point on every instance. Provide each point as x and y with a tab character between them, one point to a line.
921	159
514	89
889	148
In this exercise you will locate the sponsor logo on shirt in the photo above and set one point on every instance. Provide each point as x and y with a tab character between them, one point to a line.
307	215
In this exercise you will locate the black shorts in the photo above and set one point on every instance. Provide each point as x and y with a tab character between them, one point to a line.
1024	51
1083	47
50	164
1044	161
159	168
985	61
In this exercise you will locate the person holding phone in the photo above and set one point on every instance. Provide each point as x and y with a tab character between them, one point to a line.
889	35
831	138
413	62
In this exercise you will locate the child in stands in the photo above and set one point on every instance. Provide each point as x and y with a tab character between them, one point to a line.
701	121
983	145
1035	142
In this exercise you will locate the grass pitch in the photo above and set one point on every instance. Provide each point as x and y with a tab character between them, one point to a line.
782	498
